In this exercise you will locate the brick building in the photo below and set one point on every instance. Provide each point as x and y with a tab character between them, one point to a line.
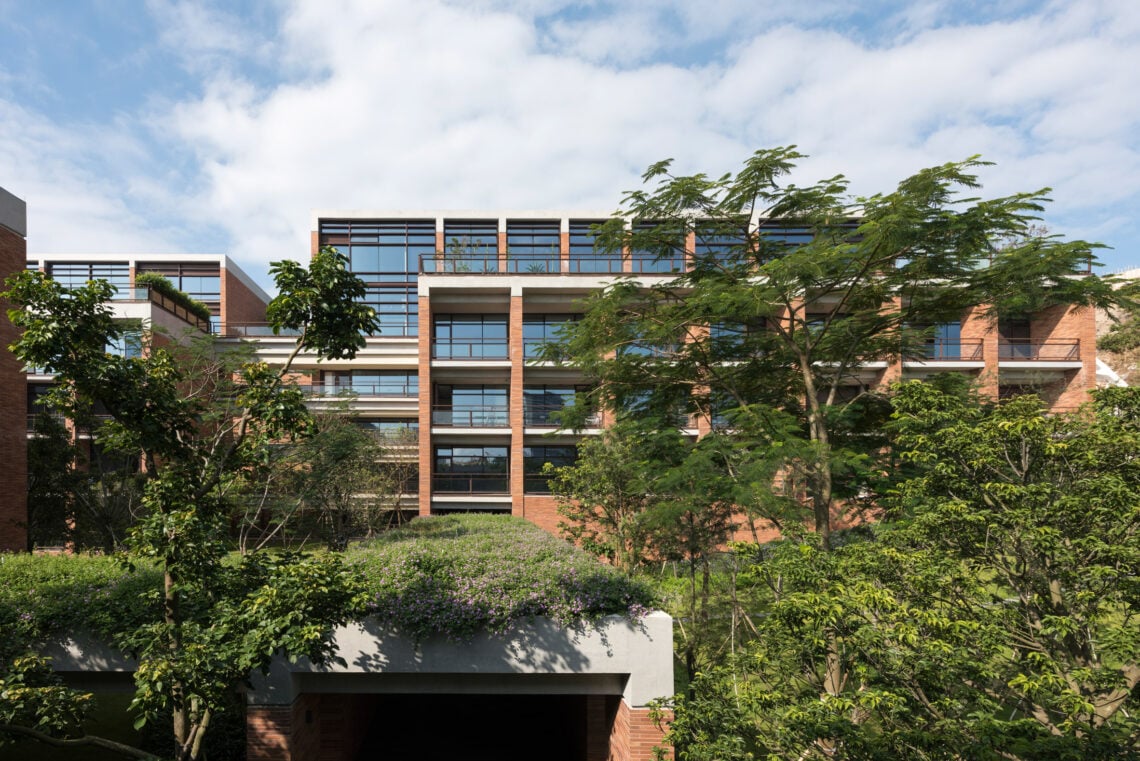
13	447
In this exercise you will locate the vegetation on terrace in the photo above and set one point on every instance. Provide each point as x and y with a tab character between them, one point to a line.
453	576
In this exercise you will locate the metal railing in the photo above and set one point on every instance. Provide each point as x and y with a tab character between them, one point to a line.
530	264
486	416
469	483
544	416
473	350
951	350
253	330
161	300
1025	349
363	389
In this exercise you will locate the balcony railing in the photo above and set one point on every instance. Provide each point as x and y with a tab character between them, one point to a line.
1024	349
469	483
364	389
950	350
144	293
473	350
543	416
529	264
487	416
253	330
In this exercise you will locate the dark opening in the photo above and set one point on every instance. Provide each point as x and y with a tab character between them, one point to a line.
476	728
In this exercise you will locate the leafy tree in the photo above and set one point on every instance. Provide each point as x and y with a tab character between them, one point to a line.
218	621
993	617
770	325
340	482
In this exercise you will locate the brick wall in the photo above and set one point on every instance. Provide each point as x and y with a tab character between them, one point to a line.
13	411
239	303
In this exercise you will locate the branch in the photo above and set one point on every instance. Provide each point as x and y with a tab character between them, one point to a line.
99	742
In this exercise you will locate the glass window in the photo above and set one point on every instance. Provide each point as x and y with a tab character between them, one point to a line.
470	406
716	244
541	404
664	255
470	336
397	309
471	246
533	247
535	481
77	275
585	256
539	329
382	250
372	382
471	469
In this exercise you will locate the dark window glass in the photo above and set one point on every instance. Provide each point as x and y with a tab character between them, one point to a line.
470	336
539	329
542	403
470	406
471	469
471	245
535	460
372	382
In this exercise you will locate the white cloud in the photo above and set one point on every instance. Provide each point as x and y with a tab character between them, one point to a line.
529	104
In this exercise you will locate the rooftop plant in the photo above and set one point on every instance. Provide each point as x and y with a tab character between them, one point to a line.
453	576
163	285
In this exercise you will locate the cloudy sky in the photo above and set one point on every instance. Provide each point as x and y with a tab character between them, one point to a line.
164	126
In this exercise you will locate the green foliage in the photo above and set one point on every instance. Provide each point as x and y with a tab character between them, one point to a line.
195	419
163	285
769	335
322	302
457	576
993	615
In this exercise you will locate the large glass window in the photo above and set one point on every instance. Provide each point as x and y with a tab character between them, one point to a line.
539	329
533	247
397	309
372	382
716	245
471	469
470	336
129	343
535	459
77	275
198	281
471	245
541	404
379	249
470	406
585	256
945	342
664	255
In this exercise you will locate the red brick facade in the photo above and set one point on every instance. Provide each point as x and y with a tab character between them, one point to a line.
13	395
328	727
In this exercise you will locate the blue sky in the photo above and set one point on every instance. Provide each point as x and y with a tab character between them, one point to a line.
162	126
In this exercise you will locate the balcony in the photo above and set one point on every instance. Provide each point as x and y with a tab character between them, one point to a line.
546	416
1027	350
254	330
952	350
484	416
470	483
161	300
473	350
409	390
526	264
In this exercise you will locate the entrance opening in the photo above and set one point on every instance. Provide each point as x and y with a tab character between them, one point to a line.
476	727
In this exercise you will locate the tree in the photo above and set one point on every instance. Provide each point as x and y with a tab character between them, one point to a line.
218	621
770	325
993	616
341	482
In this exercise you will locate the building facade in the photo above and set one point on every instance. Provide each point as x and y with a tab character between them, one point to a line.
13	446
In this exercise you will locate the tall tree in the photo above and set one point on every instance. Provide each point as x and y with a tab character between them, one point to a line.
217	622
993	617
791	290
